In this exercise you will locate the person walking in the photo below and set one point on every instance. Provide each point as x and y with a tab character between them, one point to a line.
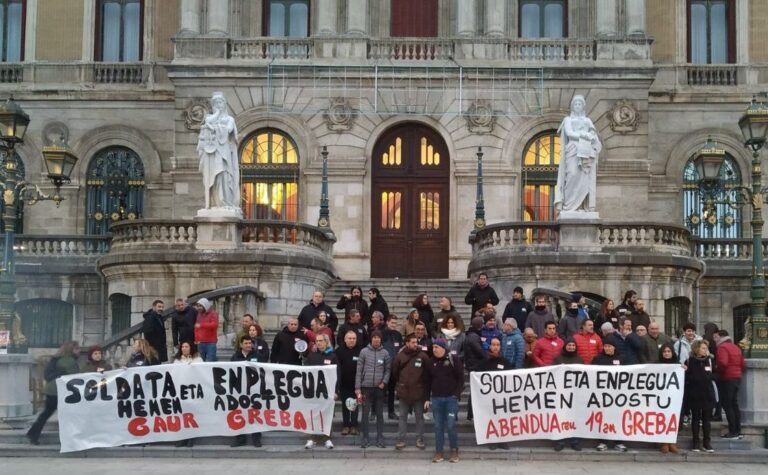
512	343
667	356
183	322
517	308
393	342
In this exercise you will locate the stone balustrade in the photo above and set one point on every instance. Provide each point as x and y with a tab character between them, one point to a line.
44	245
659	237
411	49
153	233
515	236
11	73
711	75
283	232
119	73
271	48
556	49
726	249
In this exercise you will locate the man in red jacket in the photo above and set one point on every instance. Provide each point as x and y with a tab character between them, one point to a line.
588	344
547	347
730	367
206	329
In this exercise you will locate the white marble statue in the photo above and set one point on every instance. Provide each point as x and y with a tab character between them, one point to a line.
579	149
217	149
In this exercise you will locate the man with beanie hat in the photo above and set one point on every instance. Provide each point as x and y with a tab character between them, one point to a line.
206	329
517	308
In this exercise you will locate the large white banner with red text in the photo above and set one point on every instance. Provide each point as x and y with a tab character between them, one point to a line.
176	402
638	402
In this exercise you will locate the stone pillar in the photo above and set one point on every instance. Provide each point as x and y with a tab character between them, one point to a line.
607	20
357	17
466	18
495	17
635	17
190	17
218	17
327	11
15	394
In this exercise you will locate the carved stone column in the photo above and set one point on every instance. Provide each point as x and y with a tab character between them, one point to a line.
327	11
635	17
495	17
357	17
466	18
190	17
607	19
218	17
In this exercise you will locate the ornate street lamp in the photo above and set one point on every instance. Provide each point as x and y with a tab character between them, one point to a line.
60	161
324	220
480	198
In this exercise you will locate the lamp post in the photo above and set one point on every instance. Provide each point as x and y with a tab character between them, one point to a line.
479	199
59	161
324	220
754	126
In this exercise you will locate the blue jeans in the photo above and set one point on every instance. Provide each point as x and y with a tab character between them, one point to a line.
207	351
445	410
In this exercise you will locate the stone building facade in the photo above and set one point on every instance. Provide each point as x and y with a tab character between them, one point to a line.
442	77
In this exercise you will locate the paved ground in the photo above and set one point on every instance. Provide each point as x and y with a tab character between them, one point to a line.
116	466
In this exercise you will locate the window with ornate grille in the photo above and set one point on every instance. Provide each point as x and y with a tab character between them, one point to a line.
119	30
677	312
47	323
269	167
705	217
115	188
12	16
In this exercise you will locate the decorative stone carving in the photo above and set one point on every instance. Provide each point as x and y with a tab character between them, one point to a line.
340	115
53	132
480	117
195	113
624	117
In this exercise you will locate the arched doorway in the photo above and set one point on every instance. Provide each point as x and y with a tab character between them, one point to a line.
409	227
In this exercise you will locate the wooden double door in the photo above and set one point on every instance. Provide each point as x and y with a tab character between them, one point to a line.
410	204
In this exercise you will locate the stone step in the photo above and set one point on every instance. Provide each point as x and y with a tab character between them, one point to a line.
543	453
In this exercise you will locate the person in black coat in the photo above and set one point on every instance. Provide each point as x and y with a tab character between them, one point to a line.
426	314
700	393
183	322
353	301
347	354
474	354
323	355
481	293
517	308
153	329
392	341
283	348
246	353
260	346
495	362
356	325
310	311
377	303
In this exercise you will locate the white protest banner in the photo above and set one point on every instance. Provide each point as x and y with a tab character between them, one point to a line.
176	402
638	402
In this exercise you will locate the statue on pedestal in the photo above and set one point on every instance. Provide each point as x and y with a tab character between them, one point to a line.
577	174
219	164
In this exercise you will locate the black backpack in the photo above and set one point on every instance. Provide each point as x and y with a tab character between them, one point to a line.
51	370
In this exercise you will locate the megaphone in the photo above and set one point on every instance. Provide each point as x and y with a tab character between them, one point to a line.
300	346
351	404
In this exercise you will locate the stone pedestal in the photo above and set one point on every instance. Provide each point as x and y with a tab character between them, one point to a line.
217	229
578	231
15	394
753	397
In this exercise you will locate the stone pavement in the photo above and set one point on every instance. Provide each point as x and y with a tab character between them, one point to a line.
117	466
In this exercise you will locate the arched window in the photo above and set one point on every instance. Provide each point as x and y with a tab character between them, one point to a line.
703	216
115	188
18	174
269	166
46	323
541	159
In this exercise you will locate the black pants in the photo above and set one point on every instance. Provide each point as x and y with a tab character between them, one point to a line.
701	413
470	413
374	399
729	398
255	437
51	403
391	396
349	417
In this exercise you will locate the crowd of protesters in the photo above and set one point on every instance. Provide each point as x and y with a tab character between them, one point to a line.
420	360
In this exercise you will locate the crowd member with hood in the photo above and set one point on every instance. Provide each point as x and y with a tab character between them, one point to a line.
183	322
206	329
246	353
569	356
452	331
423	340
96	363
488	332
588	344
446	308
609	357
348	354
260	346
570	323
473	354
314	307
153	329
540	315
283	347
512	343
495	362
353	301
373	371
666	355
481	293
187	354
548	347
392	340
517	308
426	315
355	324
628	345
700	394
730	367
63	363
608	314
378	304
143	354
409	370
447	382
323	355
530	339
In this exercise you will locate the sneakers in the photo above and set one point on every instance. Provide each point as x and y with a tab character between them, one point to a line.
345	431
393	416
559	446
353	431
328	444
708	449
696	446
420	444
400	445
728	435
310	444
673	449
380	444
601	447
438	457
454	456
620	448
